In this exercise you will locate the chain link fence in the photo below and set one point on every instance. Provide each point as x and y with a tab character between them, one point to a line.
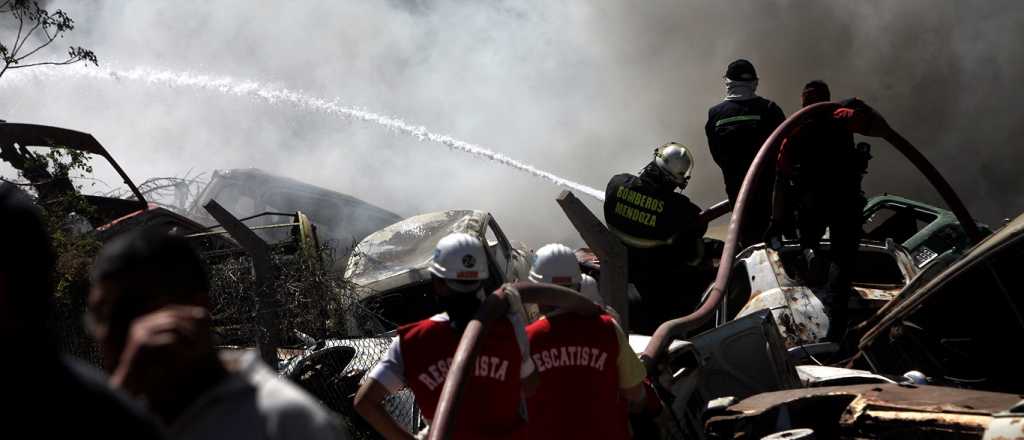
330	338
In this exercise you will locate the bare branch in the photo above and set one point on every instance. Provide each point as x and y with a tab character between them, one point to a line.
47	43
54	26
20	45
21	23
44	63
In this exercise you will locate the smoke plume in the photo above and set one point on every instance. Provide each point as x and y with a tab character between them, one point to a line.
584	90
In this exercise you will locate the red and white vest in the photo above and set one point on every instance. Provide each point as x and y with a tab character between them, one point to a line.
578	396
490	406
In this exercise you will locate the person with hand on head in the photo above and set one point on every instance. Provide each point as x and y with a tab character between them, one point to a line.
149	312
492	400
50	395
588	372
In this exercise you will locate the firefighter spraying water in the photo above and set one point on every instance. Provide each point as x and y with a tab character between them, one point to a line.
660	228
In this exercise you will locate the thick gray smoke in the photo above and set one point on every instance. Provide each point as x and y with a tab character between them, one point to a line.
582	89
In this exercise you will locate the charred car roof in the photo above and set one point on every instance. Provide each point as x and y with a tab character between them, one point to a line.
48	136
399	254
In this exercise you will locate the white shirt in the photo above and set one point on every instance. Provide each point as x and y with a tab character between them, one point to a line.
255	403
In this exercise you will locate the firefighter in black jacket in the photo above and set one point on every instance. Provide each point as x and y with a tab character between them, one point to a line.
736	128
660	230
819	173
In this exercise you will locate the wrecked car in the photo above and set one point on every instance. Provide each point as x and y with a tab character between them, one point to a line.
390	266
904	240
955	327
928	233
245	192
769	278
24	147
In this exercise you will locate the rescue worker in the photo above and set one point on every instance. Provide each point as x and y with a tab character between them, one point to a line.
588	372
818	186
662	234
736	129
503	371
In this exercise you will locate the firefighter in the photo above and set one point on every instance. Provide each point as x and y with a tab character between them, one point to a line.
662	234
588	372
736	129
420	357
819	173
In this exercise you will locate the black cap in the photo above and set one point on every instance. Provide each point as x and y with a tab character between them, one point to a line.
814	92
741	70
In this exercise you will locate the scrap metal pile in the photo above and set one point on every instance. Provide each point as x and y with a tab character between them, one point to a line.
317	281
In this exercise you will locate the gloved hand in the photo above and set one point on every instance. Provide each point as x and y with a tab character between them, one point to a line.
862	119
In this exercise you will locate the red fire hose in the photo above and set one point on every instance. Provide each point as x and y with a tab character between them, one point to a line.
877	127
494	307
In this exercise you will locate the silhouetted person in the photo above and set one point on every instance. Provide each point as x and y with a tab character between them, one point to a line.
736	129
663	235
48	395
148	304
820	170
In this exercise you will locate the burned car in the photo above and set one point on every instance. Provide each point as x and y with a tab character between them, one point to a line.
769	278
904	241
341	218
929	234
389	267
955	327
29	149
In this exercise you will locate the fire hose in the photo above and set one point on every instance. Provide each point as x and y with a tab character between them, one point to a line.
874	126
496	305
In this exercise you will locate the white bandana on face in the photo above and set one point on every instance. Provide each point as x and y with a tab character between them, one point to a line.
740	90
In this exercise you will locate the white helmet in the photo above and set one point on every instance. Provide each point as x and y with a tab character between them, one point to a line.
676	160
459	256
556	264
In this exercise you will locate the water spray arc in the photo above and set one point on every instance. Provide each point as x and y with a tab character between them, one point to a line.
283	96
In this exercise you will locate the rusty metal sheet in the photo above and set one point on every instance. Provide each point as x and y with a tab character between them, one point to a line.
871	410
872	294
891	396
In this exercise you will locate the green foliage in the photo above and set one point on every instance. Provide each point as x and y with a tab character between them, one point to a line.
64	213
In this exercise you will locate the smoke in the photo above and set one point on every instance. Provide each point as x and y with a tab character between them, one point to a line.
584	90
271	95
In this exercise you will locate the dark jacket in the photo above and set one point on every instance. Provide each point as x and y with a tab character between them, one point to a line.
658	225
820	157
735	131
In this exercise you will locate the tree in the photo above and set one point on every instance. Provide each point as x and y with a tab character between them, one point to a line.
30	18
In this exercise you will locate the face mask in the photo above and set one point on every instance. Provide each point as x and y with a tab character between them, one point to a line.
461	307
